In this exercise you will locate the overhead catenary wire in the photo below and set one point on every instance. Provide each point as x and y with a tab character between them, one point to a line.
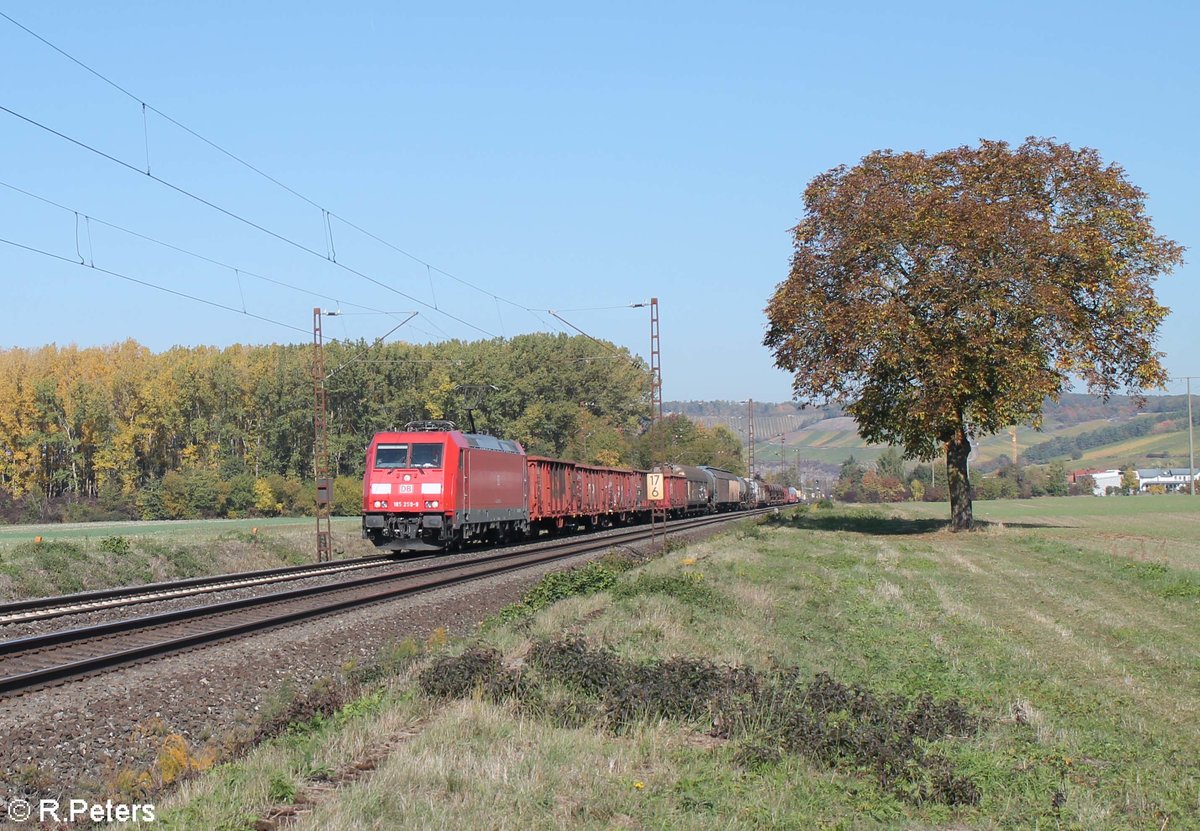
326	213
272	321
594	308
234	215
367	349
238	271
148	284
175	292
626	355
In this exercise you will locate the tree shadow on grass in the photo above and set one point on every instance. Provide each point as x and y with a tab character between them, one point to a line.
883	526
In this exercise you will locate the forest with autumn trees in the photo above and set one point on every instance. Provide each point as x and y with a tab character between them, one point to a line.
122	432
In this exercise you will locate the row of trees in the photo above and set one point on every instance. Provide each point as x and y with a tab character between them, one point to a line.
200	431
889	481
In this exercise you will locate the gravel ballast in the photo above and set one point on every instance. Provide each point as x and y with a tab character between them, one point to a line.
77	740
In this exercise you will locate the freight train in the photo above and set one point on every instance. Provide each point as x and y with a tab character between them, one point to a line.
434	487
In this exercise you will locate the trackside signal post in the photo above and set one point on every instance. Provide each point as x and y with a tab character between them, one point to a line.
656	492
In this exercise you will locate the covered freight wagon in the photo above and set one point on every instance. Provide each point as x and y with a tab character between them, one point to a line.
690	489
727	489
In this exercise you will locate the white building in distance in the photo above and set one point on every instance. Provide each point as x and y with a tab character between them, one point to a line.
1172	479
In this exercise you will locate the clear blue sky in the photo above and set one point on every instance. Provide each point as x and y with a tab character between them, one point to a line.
559	156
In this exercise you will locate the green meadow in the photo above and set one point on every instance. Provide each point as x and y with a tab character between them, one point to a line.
844	668
43	560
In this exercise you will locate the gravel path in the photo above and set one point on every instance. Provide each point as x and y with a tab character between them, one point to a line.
75	740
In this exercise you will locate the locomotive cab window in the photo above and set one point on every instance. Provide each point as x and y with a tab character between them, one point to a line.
427	455
391	456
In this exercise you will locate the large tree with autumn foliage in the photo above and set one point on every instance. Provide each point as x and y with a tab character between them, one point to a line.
945	296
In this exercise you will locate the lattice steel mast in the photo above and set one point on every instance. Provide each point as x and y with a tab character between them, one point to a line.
658	512
321	444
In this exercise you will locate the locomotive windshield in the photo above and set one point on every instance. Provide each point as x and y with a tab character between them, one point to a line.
391	455
426	455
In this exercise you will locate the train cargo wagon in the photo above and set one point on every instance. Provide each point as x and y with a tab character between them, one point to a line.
676	486
642	504
551	492
727	494
758	494
700	487
609	495
589	490
431	486
776	494
687	489
628	491
747	493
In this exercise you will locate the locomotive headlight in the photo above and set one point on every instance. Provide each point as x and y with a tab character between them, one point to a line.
431	503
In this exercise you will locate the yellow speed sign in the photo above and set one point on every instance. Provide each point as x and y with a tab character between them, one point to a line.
654	487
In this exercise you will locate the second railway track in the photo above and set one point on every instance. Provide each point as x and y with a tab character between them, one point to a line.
41	608
39	660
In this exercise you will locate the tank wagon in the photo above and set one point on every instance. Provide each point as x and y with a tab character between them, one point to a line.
757	494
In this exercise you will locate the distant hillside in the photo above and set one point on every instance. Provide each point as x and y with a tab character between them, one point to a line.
1078	429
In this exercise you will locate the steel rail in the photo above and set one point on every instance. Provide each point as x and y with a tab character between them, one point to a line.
360	592
39	608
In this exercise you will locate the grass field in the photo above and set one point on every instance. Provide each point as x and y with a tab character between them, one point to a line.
834	444
1165	446
1040	673
40	560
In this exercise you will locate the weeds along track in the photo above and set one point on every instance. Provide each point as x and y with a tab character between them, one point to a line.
39	660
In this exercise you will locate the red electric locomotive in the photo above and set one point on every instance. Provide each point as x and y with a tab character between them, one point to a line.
432	486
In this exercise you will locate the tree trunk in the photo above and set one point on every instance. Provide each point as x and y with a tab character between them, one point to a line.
957	451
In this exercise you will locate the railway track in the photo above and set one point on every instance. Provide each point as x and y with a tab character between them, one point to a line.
40	660
23	611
